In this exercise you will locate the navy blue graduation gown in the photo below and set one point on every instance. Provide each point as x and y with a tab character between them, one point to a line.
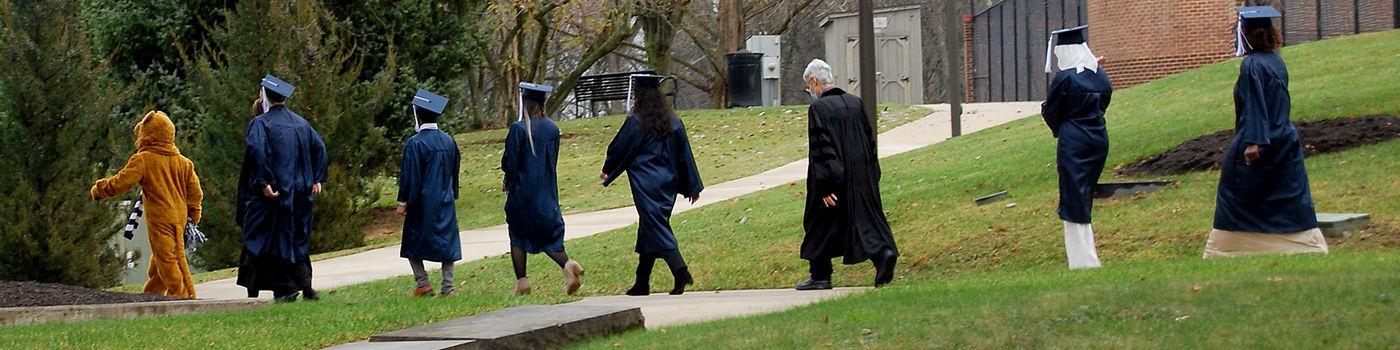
1074	110
428	186
1272	194
843	160
658	167
282	150
532	188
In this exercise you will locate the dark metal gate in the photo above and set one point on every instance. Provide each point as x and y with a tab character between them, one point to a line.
1008	46
1312	20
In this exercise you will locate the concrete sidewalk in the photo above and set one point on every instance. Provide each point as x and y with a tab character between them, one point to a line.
492	241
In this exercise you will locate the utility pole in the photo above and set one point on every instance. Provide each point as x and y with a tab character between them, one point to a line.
953	20
868	85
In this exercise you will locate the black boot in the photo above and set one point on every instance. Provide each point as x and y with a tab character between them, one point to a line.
643	285
310	295
683	278
884	266
678	270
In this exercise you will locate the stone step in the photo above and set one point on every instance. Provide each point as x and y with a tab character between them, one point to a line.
1115	189
524	327
410	345
1342	225
78	313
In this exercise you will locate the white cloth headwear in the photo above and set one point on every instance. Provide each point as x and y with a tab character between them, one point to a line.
1077	57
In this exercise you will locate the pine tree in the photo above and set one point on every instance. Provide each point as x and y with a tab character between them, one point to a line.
299	41
55	128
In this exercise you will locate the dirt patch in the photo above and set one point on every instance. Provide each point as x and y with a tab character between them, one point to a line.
1327	136
383	221
26	294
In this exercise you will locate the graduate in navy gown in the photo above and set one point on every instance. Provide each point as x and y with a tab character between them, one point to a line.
532	191
1264	203
428	195
652	147
845	216
284	165
1074	110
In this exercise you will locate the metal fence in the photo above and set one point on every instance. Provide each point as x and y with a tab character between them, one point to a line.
1008	46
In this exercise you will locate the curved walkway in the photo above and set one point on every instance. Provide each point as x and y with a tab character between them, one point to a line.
477	244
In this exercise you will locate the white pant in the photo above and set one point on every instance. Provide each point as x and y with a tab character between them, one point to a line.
1079	246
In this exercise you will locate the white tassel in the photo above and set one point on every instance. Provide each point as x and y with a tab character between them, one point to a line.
1240	41
628	104
1049	45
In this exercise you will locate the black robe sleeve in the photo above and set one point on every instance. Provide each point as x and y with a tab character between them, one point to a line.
622	149
410	178
1251	106
1050	110
687	173
510	160
828	171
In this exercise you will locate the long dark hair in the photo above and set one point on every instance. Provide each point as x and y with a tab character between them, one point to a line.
1263	39
653	110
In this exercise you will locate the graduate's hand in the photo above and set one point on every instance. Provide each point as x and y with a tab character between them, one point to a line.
602	176
269	193
1251	154
693	199
829	200
316	189
402	210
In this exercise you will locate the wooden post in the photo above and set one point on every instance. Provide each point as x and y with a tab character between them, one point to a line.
868	85
953	24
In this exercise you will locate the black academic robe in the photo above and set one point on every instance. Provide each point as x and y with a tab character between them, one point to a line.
532	187
282	150
1271	195
842	160
658	167
428	187
1074	110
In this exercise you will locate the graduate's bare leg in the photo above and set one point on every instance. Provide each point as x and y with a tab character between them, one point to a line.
573	271
420	278
821	270
678	270
642	287
518	262
447	277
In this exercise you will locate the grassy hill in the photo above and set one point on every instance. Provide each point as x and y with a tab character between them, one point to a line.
965	269
1009	287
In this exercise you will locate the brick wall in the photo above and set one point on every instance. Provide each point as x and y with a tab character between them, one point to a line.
1145	40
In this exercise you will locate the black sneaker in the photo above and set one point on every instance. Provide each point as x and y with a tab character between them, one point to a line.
310	295
811	284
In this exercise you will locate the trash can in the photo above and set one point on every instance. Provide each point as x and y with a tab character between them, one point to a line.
745	79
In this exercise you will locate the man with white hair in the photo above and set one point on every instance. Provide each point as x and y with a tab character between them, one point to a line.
844	216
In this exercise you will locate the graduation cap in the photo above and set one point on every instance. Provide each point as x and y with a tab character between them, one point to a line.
276	86
637	81
1253	17
1067	36
532	92
429	101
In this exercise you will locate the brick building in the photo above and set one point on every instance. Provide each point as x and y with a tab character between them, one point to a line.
1140	40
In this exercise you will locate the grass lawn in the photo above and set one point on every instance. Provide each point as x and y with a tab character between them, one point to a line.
1345	300
948	243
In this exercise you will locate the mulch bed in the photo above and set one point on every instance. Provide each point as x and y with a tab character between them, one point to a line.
26	294
1327	136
